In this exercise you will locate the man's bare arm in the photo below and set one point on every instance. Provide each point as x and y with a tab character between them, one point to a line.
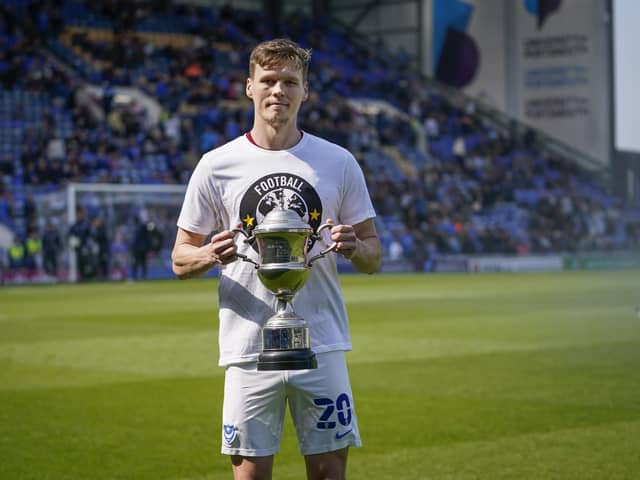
191	258
360	244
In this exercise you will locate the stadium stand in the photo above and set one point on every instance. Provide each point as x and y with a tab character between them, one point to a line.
444	180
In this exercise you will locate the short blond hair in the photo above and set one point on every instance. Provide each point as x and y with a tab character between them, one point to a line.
278	52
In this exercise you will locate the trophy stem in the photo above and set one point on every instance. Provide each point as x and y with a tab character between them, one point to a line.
282	305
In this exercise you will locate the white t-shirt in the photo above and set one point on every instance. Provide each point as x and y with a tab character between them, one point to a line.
240	181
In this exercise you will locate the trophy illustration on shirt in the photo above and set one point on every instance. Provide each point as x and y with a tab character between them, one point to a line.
283	268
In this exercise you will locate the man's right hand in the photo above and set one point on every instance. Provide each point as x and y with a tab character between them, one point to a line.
222	248
192	259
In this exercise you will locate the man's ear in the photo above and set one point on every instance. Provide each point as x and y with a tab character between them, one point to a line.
248	88
306	91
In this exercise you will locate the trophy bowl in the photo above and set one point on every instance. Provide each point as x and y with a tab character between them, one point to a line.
283	268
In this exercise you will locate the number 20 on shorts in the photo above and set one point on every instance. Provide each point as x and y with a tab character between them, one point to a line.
340	410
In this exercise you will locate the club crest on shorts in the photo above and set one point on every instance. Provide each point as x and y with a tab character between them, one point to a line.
229	433
290	191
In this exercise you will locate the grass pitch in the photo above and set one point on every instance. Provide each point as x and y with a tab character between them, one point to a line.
493	376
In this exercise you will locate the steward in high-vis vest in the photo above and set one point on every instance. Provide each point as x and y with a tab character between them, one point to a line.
16	254
33	253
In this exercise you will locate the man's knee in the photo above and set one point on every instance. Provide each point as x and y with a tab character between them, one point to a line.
252	468
327	466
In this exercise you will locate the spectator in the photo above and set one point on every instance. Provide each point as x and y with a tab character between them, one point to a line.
51	247
33	253
396	252
119	256
16	256
101	250
139	249
79	243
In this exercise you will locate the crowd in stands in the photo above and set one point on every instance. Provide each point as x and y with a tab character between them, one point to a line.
472	190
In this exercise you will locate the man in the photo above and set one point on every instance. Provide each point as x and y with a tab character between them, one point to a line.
241	182
51	247
79	242
139	249
16	254
33	253
101	247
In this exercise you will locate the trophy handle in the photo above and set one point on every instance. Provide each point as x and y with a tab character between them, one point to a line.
330	248
248	239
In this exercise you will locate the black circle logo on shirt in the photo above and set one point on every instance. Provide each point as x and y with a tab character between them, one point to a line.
290	191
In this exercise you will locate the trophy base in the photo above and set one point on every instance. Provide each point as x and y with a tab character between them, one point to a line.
302	359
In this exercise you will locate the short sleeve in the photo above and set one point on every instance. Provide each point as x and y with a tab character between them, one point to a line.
356	204
199	213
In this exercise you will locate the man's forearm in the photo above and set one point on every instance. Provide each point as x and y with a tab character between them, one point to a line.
191	258
190	261
366	258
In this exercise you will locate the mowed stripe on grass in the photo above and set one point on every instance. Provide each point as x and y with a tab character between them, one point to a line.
455	376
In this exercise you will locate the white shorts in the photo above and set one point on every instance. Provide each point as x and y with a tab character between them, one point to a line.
320	402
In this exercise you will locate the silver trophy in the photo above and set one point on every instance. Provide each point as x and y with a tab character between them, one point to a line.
283	268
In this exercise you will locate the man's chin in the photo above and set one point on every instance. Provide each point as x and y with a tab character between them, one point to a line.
277	120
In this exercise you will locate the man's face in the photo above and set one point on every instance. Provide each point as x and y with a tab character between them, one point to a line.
277	93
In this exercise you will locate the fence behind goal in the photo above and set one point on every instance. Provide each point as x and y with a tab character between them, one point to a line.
117	205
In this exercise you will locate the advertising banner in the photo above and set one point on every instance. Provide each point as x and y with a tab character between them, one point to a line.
450	263
611	261
532	263
469	39
559	73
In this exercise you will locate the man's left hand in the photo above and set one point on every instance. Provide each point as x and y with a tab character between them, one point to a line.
345	238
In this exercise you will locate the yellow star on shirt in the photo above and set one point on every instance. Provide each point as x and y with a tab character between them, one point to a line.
248	220
315	214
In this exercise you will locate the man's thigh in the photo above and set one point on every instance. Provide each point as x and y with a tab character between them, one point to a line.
253	411
322	406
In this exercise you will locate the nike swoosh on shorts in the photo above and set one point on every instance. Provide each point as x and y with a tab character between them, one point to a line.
343	434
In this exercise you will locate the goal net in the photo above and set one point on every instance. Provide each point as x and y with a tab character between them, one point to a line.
106	228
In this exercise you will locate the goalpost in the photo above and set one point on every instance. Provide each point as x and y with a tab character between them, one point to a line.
157	206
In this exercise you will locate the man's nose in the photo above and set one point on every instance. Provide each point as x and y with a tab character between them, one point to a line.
277	88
